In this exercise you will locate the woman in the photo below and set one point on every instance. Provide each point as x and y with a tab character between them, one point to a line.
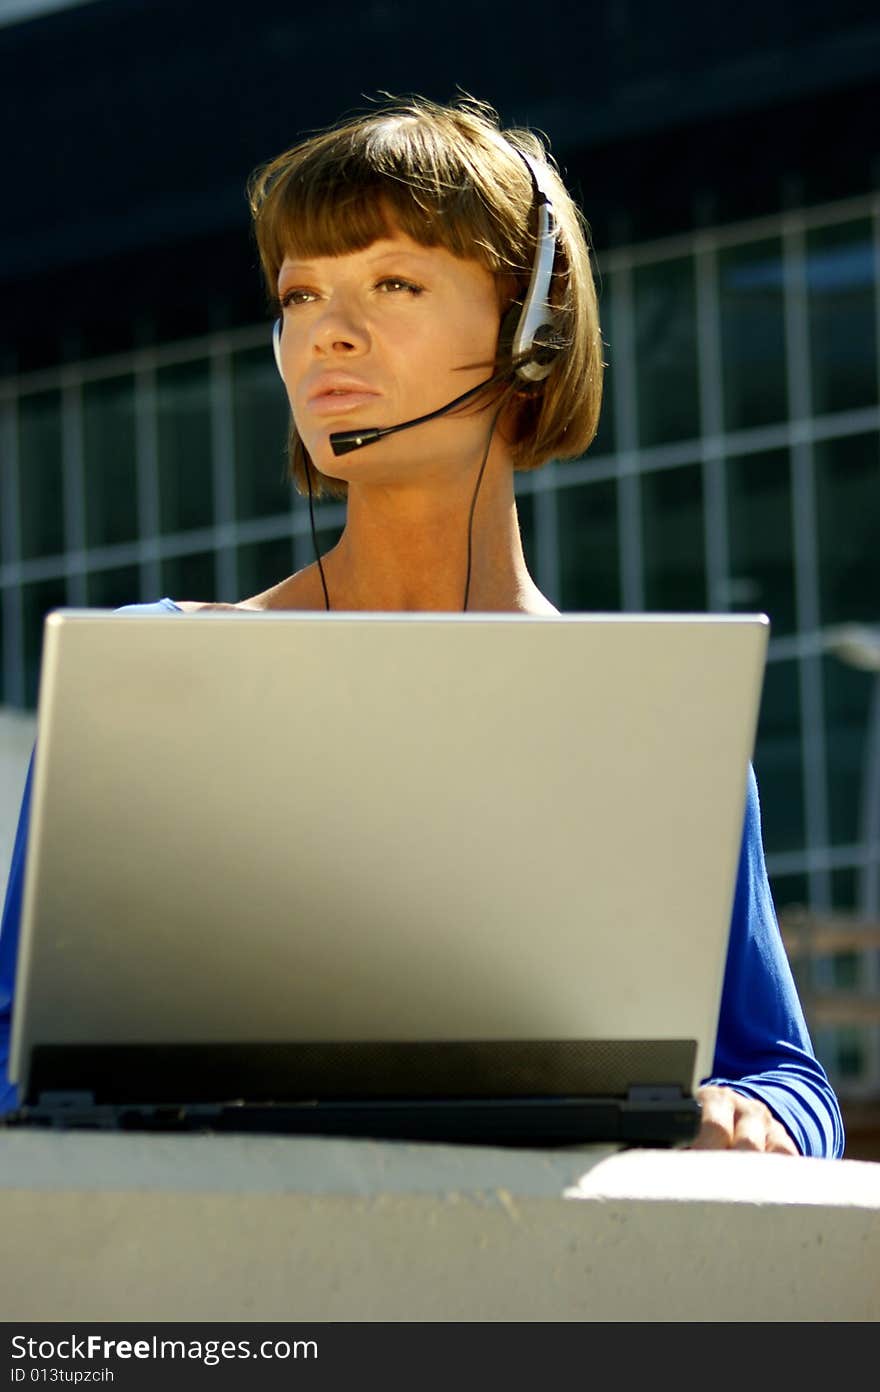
403	250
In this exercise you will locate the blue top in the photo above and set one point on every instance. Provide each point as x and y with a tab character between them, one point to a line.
763	1048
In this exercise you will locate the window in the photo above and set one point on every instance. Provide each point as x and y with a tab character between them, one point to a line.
589	546
40	479
848	527
260	413
752	334
842	316
778	759
760	538
673	540
110	455
186	485
666	351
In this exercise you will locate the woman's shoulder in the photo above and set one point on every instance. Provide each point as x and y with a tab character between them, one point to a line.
300	591
196	606
186	606
159	606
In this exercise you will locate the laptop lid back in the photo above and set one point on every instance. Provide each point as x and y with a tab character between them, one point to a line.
297	829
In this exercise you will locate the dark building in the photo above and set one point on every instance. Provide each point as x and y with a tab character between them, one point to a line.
727	160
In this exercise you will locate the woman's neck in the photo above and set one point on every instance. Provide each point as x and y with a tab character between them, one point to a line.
407	550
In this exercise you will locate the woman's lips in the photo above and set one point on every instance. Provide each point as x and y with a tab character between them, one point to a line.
340	403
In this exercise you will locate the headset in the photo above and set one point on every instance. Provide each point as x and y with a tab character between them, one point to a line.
531	331
535	337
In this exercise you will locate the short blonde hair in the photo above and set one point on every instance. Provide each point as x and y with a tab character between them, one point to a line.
445	176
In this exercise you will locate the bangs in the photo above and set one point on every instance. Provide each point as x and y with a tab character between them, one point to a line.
350	187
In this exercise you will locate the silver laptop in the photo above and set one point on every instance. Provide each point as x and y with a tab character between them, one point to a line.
466	877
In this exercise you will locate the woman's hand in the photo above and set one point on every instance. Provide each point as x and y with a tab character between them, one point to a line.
731	1121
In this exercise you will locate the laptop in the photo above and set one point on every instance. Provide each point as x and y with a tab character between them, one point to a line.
441	877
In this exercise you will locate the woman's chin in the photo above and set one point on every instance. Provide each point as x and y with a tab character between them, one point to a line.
338	466
334	465
374	459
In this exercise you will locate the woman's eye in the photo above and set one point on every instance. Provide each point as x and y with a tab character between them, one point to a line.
297	297
391	285
394	283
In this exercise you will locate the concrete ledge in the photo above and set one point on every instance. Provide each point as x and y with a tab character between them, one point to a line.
129	1227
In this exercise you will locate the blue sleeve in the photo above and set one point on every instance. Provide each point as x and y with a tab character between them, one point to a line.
11	919
763	1047
161	606
9	940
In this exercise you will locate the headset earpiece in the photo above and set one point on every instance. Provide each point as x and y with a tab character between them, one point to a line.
547	344
276	346
533	340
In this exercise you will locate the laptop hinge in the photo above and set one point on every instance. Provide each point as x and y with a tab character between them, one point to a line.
650	1092
66	1098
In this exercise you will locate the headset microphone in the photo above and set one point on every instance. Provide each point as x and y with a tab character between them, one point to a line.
344	441
534	339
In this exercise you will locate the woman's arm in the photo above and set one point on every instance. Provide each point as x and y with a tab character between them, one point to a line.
763	1050
9	926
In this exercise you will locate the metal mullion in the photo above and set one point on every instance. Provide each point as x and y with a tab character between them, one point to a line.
147	461
223	464
715	532
74	487
625	402
875	239
10	551
869	893
737	233
848	857
759	439
805	559
870	896
177	544
870	886
124	364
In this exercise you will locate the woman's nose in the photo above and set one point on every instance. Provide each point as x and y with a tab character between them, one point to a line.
340	329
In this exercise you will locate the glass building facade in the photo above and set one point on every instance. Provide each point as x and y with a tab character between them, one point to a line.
737	468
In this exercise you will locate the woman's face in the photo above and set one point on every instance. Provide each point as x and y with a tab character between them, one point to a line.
380	336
